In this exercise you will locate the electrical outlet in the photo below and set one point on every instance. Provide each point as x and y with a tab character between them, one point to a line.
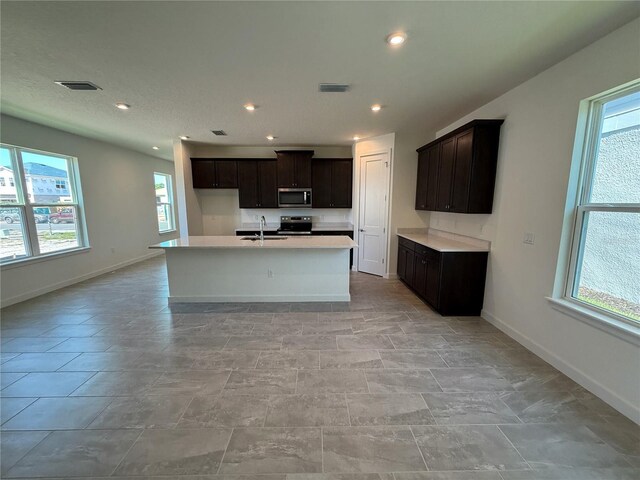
113	250
256	217
529	238
269	273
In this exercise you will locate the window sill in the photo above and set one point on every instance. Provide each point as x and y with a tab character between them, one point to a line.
167	232
621	329
42	258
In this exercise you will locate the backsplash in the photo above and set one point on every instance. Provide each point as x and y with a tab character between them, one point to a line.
221	215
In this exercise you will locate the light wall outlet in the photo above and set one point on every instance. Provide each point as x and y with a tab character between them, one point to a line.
529	238
269	273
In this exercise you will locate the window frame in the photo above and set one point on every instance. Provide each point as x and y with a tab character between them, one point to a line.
590	139
27	208
170	203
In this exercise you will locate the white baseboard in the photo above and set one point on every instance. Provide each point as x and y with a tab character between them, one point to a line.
259	298
626	408
70	281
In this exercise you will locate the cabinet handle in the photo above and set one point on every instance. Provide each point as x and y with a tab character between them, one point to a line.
362	230
424	262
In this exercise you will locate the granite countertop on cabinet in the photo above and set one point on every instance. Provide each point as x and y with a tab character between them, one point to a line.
281	242
442	241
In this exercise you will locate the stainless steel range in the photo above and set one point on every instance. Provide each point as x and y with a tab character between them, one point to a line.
295	226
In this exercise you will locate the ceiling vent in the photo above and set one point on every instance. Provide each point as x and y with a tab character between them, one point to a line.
79	85
334	87
219	133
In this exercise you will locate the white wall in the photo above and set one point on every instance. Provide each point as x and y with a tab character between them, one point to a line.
119	200
218	211
536	147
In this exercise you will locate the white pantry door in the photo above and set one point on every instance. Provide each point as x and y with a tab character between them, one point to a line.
372	235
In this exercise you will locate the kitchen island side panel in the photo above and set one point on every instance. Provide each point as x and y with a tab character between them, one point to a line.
258	275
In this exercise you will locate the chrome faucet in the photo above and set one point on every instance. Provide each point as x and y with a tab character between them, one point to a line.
263	222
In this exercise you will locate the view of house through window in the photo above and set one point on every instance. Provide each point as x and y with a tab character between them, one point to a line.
606	256
40	211
164	202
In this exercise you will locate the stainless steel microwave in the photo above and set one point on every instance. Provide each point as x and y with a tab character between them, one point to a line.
294	197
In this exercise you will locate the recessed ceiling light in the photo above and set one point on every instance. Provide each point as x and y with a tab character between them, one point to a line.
271	137
155	148
397	38
184	137
123	106
376	108
356	138
250	107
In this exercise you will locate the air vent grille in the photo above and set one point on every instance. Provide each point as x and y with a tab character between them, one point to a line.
219	133
334	87
78	85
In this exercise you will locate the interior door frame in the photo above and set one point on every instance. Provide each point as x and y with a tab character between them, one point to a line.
356	223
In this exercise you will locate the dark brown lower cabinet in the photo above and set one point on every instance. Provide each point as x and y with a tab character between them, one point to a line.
451	282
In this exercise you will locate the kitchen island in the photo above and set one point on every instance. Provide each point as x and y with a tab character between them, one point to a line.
246	269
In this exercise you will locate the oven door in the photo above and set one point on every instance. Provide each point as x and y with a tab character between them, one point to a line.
294	197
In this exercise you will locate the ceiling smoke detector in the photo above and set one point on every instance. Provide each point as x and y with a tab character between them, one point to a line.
334	87
77	85
219	133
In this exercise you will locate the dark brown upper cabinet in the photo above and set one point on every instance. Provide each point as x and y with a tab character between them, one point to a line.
457	172
214	173
257	184
332	182
294	168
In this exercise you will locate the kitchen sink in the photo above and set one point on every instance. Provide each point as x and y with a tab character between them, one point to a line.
266	237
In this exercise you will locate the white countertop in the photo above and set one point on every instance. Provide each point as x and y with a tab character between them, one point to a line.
445	244
235	242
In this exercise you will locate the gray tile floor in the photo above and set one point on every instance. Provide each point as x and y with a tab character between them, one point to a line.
103	379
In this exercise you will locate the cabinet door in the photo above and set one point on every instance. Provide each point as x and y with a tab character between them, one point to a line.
286	170
402	263
420	274
421	182
226	174
303	171
341	183
267	181
433	165
321	183
432	284
202	173
248	183
462	172
445	175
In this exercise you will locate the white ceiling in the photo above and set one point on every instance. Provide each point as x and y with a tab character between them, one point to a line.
188	67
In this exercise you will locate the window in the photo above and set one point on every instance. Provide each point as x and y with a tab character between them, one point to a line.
164	202
33	222
604	269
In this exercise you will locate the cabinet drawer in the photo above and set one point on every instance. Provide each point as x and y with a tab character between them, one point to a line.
429	254
406	243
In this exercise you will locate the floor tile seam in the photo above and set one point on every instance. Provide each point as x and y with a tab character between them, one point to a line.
35	399
79	386
514	447
624	455
126	453
184	411
95	417
415	440
322	449
428	408
71	360
442	358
